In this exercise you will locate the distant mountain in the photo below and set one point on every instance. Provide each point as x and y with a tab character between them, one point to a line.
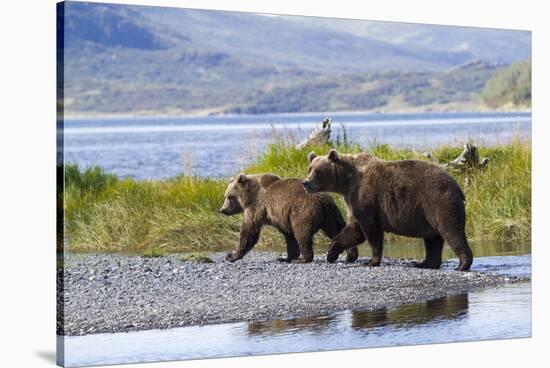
110	26
484	43
132	59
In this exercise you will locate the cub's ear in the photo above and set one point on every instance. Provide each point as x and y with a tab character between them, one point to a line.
311	156
241	178
333	155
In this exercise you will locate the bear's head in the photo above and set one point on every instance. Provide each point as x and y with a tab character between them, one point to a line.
243	191
324	172
233	196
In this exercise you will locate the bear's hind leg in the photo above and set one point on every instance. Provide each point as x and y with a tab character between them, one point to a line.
376	241
434	248
292	249
459	245
451	228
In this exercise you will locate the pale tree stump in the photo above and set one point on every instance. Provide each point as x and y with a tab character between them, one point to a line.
319	136
468	159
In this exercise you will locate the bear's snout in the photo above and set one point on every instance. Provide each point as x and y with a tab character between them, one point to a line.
307	186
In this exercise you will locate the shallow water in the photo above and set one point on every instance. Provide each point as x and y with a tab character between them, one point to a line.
410	248
414	248
219	146
498	313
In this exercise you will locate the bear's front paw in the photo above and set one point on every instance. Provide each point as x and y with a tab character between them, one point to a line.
232	257
333	253
284	259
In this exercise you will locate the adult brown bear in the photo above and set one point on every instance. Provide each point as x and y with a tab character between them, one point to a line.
282	203
408	197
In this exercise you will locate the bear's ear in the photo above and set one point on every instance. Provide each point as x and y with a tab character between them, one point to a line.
241	178
333	155
311	156
268	179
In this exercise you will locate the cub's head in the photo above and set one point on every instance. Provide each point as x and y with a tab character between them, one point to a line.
322	172
232	203
242	192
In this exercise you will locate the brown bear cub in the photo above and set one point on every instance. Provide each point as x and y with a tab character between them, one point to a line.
282	203
408	197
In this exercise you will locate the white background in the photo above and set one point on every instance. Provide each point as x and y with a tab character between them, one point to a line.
27	180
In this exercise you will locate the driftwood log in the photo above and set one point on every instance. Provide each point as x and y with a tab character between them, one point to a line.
319	136
468	159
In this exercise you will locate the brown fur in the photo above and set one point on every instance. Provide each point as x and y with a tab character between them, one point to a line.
282	203
408	197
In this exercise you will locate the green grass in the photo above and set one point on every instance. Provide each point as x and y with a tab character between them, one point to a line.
103	213
153	252
199	257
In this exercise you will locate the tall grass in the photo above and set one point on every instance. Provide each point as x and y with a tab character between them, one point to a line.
498	199
103	213
130	215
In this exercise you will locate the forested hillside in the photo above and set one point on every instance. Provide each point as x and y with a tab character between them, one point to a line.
511	86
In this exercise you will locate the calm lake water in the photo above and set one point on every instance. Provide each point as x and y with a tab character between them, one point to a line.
498	313
220	146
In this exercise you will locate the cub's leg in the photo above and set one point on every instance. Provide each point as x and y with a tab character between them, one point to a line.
250	233
306	249
434	248
349	237
292	249
335	227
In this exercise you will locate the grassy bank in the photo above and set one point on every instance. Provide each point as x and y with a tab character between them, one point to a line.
104	213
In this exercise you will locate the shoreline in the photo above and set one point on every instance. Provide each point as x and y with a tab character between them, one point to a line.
121	293
92	115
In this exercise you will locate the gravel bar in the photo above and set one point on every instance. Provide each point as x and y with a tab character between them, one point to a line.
119	293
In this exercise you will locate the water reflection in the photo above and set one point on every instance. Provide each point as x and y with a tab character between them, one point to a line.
311	324
432	311
445	308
